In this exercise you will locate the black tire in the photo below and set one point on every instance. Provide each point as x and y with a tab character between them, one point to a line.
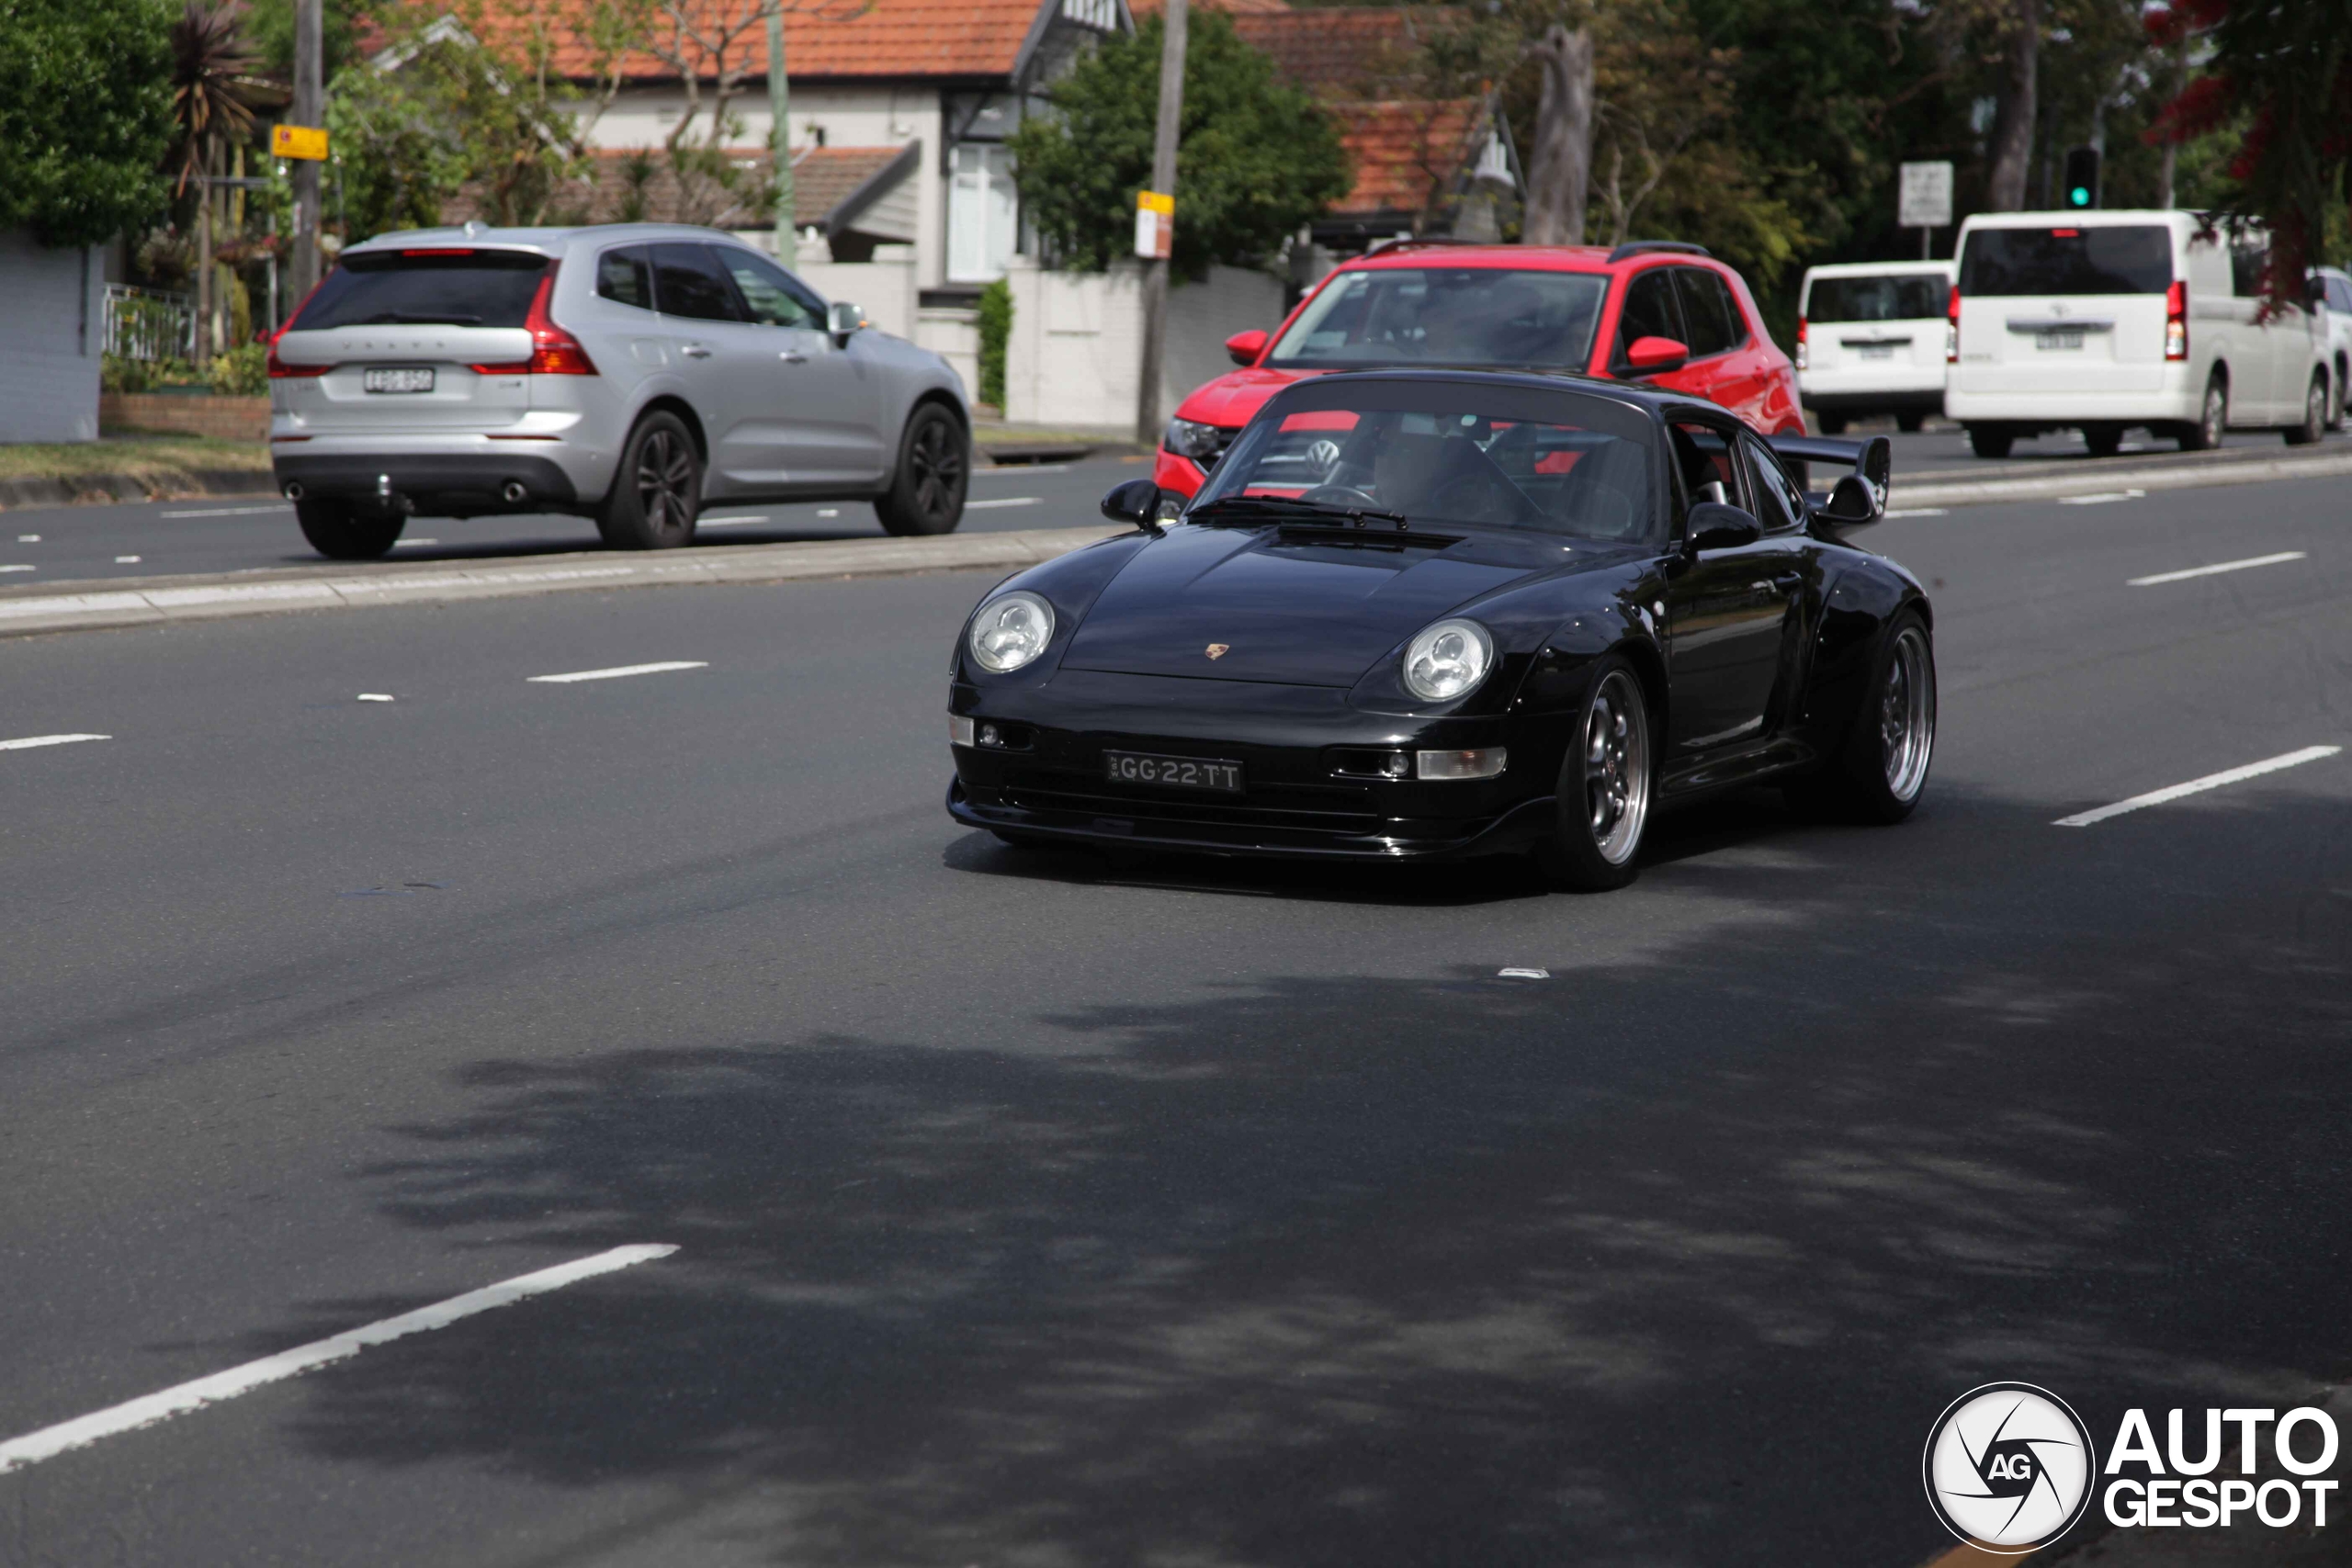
2314	423
2103	440
1604	787
657	491
2213	422
1989	439
342	532
1880	772
926	493
1910	423
1832	423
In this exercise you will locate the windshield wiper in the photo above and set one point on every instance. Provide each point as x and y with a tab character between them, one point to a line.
405	318
1280	506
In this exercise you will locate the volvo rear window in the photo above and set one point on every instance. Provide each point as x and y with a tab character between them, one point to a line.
1897	297
436	287
2121	259
1474	316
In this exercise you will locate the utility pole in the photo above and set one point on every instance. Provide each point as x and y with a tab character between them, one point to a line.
309	109
787	238
1163	184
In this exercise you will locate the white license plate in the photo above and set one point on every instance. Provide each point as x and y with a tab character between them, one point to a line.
400	379
1878	351
2058	340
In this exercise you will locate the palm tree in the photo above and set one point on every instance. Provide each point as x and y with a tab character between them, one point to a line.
210	62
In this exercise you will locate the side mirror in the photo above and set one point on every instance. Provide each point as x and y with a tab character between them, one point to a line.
1716	526
1135	501
843	319
1243	349
1656	355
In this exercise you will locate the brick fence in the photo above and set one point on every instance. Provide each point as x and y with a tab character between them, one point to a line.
231	418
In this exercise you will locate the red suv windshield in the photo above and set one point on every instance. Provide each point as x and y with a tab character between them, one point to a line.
1478	316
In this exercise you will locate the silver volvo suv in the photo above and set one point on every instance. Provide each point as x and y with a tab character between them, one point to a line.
625	372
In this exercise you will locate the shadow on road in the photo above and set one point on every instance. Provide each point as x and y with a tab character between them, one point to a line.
1671	1260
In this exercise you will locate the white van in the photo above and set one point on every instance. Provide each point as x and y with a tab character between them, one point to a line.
2103	321
1871	341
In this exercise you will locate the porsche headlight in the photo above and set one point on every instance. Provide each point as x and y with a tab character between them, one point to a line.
1011	631
1190	438
1447	660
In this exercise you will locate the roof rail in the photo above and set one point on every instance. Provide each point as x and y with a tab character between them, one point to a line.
1642	247
1406	242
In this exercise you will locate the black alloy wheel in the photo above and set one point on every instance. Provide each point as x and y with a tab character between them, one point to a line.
340	532
2212	420
657	494
1604	785
1989	439
926	494
2314	423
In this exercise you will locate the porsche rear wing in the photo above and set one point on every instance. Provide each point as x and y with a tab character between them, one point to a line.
1870	461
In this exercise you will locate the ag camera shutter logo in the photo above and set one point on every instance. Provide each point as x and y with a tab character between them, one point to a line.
2008	1467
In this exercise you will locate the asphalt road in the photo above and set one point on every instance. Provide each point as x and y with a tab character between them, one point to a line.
238	534
1032	1213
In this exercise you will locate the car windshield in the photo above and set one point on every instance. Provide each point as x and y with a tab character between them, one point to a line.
2095	259
1442	452
1446	316
452	287
1890	296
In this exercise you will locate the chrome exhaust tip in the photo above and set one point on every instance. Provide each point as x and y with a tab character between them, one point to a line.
517	493
292	492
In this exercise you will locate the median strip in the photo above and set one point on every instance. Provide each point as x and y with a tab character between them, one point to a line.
150	601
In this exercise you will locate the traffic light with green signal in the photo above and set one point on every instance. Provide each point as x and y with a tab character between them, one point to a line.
2081	188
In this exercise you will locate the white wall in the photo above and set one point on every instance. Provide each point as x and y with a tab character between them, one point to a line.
52	335
1077	339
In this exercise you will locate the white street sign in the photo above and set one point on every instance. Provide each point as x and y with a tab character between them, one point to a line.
1925	199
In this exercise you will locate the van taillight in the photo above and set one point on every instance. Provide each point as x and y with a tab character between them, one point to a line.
1804	355
2177	321
1952	327
554	352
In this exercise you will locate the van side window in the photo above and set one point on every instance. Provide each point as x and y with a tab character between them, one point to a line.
2247	263
625	277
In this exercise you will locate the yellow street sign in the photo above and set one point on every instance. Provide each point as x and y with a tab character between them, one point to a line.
297	142
1155	224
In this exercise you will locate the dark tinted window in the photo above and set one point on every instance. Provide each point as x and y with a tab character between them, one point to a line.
1705	458
626	276
690	284
2121	260
777	298
2247	263
1778	506
426	287
1649	311
1895	298
1708	311
1446	316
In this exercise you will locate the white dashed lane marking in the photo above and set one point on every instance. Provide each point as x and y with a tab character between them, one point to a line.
182	1398
2198	787
2102	498
229	511
2215	569
1008	500
620	669
19	569
29	742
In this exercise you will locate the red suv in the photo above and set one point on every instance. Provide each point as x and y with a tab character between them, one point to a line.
1665	313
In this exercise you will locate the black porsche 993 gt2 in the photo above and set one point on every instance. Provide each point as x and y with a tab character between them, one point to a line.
1432	614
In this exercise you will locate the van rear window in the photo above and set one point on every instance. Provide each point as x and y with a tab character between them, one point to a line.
1897	296
2121	259
425	286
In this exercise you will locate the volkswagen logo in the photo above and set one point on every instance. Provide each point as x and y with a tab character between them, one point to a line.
2008	1467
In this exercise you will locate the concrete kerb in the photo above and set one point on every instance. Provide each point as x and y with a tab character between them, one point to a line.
2103	480
151	601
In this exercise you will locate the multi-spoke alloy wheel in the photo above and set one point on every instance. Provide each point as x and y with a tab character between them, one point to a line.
1605	789
935	467
665	480
1906	714
658	493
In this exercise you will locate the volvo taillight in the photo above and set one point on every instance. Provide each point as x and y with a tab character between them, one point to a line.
280	369
2177	321
554	352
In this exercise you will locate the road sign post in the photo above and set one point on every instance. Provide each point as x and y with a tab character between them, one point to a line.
1162	220
1924	201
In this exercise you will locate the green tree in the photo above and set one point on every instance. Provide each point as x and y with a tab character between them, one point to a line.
1256	158
85	115
268	26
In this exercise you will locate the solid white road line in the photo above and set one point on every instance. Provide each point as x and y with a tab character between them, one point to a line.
2198	787
620	669
727	522
1014	471
2102	498
413	544
1009	501
2214	570
229	511
1919	512
29	742
50	1441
